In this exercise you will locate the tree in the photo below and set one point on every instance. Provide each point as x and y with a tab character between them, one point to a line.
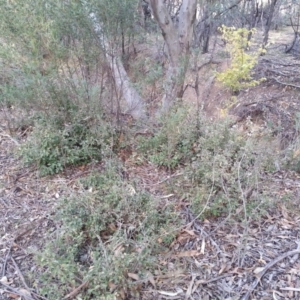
267	28
178	40
294	19
102	27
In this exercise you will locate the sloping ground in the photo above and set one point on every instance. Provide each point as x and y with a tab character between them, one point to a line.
275	104
222	259
210	259
27	204
24	220
240	261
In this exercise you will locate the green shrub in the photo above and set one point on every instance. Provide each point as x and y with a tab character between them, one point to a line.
239	75
54	145
221	167
172	144
108	230
292	151
227	171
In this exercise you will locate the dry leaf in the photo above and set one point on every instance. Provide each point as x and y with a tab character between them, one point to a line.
24	293
190	232
183	238
4	280
223	268
202	246
150	277
258	270
239	210
112	227
119	250
133	276
171	294
112	286
13	296
284	212
121	295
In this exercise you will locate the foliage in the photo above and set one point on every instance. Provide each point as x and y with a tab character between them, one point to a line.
222	168
107	233
239	75
292	159
172	145
227	172
53	68
54	145
228	104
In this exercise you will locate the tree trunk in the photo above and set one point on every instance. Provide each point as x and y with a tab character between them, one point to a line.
178	42
269	22
135	104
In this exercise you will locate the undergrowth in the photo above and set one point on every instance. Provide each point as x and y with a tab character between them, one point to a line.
110	232
222	168
54	145
111	235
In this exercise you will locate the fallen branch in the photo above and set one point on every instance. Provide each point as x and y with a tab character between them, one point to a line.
290	289
203	282
20	273
5	261
76	291
11	138
287	84
166	179
267	267
15	291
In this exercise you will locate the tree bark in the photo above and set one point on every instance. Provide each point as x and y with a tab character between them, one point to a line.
135	104
269	22
178	42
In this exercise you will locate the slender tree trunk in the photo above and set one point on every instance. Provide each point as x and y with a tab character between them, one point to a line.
178	42
135	104
295	27
269	22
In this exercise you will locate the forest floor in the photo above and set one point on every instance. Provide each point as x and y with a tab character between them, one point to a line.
211	258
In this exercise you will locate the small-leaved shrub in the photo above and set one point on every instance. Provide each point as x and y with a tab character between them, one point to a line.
54	145
227	170
239	75
108	232
292	159
222	168
172	145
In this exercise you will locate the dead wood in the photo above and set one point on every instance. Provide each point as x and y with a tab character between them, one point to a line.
267	267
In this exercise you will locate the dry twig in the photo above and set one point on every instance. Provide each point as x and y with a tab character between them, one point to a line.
20	273
17	292
267	267
76	291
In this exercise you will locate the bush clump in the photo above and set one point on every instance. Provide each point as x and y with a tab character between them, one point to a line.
110	237
222	168
54	145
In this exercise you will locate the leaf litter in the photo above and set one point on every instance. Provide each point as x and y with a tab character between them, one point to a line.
209	259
